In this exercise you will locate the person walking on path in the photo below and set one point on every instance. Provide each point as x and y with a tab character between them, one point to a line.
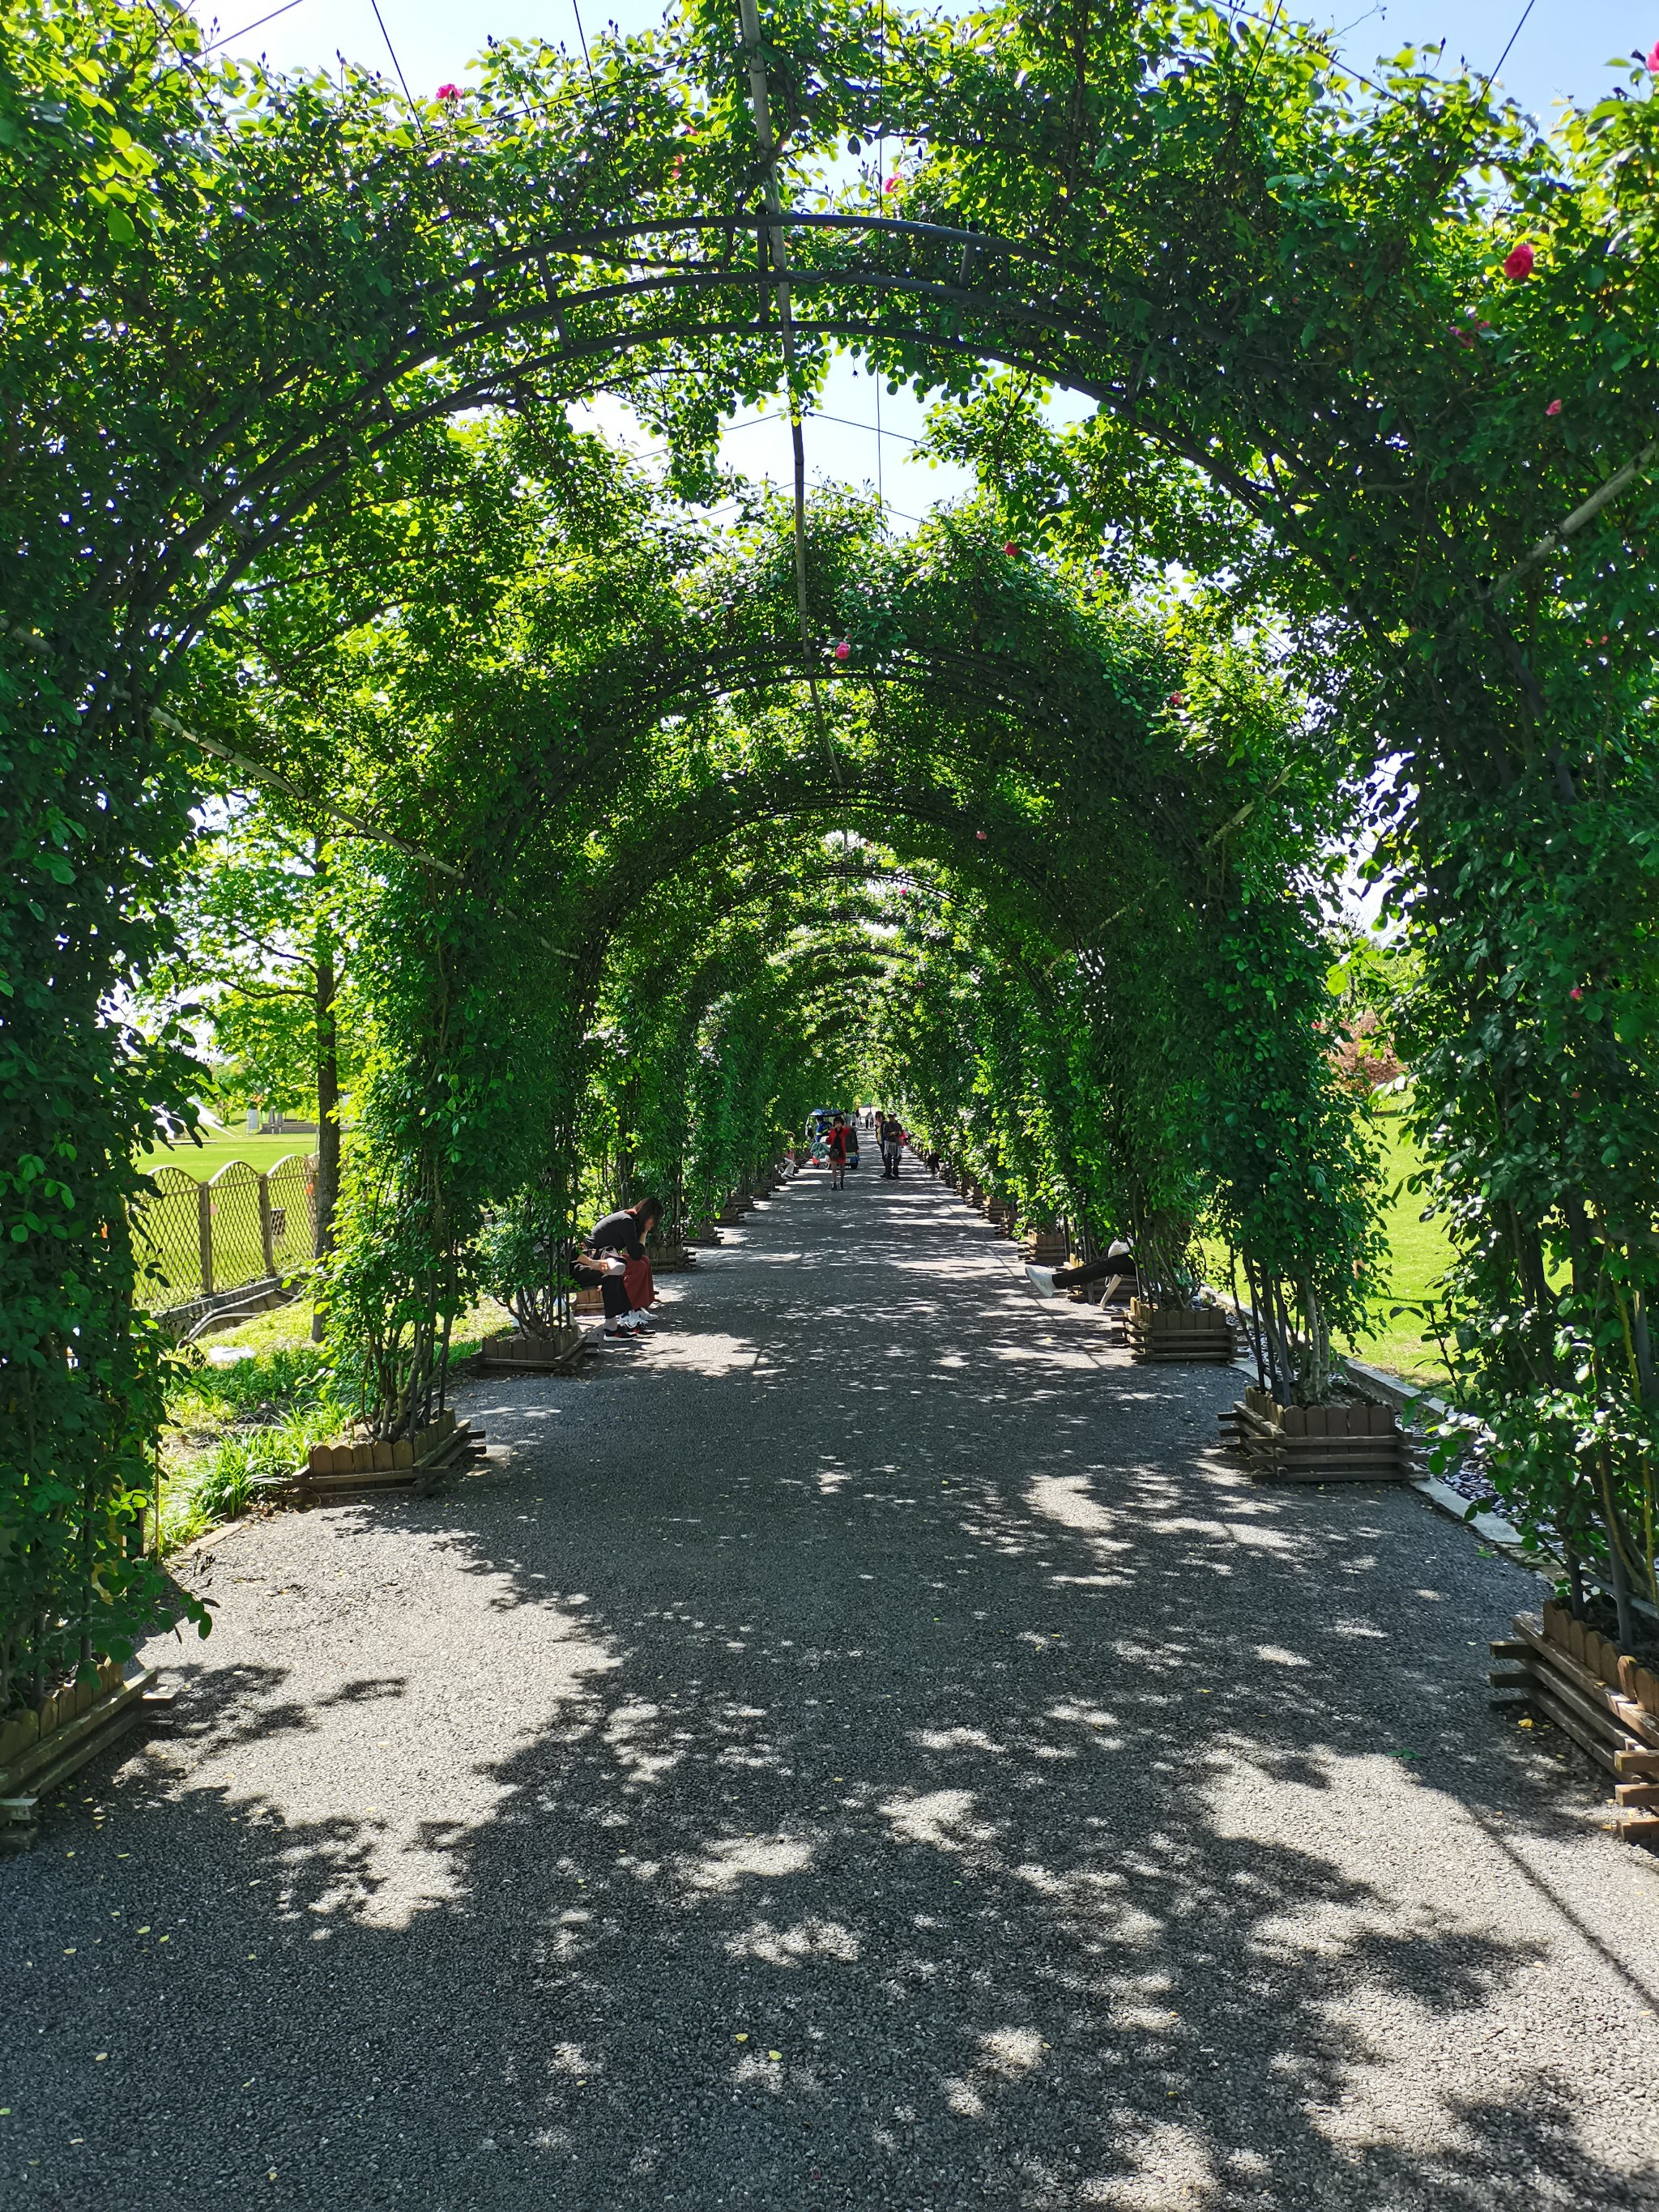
836	1144
604	1259
892	1146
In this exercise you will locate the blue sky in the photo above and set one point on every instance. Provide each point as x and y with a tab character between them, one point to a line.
1561	50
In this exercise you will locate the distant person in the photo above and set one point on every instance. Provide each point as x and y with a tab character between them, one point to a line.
607	1251
853	1141
892	1146
835	1145
1115	1270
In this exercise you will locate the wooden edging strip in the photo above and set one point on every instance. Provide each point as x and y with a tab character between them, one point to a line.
66	1750
45	1749
1630	1717
1581	1732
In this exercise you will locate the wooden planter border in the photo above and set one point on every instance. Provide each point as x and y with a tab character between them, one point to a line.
1317	1443
1608	1704
673	1259
1202	1333
417	1464
513	1352
44	1747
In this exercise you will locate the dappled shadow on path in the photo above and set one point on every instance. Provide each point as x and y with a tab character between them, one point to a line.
899	1766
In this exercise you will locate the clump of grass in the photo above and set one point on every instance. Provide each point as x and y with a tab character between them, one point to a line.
289	1376
235	1432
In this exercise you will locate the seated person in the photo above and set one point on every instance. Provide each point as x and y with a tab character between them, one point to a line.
1116	1270
608	1247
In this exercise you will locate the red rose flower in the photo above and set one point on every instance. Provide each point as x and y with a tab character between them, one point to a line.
1518	264
1575	993
1010	548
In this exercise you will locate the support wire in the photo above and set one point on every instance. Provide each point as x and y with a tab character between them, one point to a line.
748	20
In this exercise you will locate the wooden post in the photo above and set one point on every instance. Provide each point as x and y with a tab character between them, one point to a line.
265	1244
204	1234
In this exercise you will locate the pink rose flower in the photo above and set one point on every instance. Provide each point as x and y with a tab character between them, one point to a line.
1653	61
1518	264
979	834
1555	407
449	92
1575	993
843	651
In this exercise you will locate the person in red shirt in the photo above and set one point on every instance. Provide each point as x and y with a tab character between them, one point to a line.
835	1144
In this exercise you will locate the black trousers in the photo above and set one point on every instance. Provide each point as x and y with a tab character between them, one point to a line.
1094	1271
612	1290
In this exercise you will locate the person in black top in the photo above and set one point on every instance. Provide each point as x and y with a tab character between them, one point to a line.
892	1146
605	1250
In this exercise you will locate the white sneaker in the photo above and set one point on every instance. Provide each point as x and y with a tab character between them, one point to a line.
1043	1281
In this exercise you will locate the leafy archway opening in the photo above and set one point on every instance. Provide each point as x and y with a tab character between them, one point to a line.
1398	425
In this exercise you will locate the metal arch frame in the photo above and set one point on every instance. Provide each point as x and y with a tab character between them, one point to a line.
498	386
420	349
772	801
750	667
578	241
733	681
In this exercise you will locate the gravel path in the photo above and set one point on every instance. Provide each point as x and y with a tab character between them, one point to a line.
861	1750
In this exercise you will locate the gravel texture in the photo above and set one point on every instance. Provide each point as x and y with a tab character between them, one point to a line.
862	1748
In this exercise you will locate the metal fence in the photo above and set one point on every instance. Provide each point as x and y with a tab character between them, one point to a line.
198	1238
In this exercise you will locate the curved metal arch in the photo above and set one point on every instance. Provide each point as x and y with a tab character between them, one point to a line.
754	670
690	281
424	348
730	224
890	802
502	386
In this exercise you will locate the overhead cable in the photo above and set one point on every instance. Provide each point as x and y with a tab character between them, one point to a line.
749	19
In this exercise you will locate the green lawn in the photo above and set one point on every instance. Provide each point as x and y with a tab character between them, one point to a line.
289	1326
170	1224
1420	1254
222	1147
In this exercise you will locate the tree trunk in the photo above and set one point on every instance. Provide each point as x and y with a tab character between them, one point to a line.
328	1109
